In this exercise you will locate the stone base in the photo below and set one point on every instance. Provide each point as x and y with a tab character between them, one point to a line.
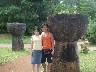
17	43
58	66
65	58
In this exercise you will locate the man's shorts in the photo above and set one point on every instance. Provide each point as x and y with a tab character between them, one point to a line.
36	56
46	55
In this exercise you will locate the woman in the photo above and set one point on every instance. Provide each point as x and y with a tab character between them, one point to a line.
36	48
48	47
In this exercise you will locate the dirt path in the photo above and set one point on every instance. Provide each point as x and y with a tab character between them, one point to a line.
18	65
10	45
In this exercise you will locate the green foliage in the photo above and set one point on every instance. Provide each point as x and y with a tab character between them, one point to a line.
6	54
92	45
87	62
34	12
7	39
31	12
26	39
84	48
91	32
66	6
87	7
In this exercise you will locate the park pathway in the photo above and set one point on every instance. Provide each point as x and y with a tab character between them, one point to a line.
10	45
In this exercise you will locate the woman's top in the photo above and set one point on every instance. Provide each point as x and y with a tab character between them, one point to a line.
37	42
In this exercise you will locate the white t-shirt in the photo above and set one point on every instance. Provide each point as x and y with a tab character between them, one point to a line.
37	42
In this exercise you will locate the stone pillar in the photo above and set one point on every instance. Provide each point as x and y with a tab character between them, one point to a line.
66	29
16	30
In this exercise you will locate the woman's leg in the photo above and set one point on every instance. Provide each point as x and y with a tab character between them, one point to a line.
33	67
37	67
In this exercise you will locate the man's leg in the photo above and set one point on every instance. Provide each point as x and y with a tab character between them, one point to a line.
43	60
44	66
49	60
48	67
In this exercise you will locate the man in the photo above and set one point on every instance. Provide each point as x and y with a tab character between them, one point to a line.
48	47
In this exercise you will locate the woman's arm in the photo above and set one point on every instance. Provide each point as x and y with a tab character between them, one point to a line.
31	44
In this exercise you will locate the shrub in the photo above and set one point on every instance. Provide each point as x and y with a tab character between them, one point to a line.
84	48
91	32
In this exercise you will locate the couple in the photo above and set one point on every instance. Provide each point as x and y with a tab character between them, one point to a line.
42	47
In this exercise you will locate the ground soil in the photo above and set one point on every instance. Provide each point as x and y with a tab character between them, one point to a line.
21	64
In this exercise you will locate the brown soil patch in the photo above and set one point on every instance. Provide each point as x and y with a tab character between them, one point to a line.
18	65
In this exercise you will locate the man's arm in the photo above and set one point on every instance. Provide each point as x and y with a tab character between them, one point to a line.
52	38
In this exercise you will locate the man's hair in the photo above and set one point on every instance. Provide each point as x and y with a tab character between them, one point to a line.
45	24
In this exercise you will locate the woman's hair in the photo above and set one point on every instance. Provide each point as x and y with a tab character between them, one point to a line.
36	28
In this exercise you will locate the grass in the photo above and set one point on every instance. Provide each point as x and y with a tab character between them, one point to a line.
26	39
92	45
88	62
6	54
7	39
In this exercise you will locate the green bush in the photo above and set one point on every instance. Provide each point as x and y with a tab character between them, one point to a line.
91	32
27	11
84	48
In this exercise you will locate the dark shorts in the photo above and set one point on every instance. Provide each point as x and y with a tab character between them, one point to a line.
46	55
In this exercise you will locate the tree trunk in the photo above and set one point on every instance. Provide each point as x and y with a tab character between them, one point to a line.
65	58
17	43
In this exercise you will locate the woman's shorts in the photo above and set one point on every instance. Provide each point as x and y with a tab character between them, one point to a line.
36	56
